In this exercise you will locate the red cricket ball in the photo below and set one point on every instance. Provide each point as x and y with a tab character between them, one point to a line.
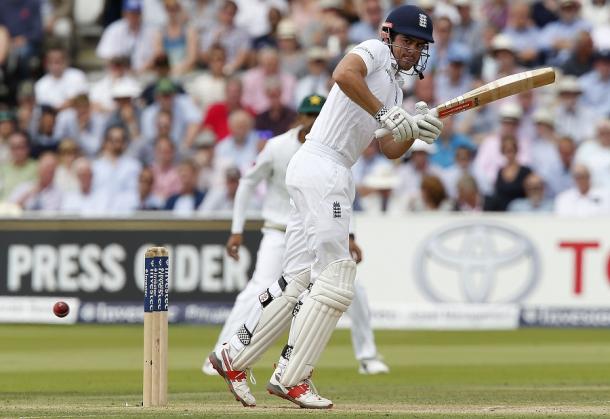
61	309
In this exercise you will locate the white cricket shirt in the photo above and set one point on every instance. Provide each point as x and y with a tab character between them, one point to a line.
271	164
343	125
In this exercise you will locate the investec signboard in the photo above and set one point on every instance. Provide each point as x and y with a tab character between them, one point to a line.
486	271
102	264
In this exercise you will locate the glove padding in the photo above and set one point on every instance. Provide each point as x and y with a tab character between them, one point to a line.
402	125
430	126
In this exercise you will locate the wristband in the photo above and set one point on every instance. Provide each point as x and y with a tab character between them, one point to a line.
382	111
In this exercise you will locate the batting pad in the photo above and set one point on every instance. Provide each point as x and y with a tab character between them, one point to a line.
269	323
329	298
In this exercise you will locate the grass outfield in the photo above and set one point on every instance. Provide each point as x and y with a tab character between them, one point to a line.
96	371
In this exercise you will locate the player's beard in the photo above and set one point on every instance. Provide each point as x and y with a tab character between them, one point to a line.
405	60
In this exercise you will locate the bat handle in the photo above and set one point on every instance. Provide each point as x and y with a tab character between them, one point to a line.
420	108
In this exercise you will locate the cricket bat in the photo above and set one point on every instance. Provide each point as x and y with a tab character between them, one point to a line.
490	92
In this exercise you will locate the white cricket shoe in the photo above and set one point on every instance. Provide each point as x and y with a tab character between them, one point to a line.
373	366
236	380
207	368
304	394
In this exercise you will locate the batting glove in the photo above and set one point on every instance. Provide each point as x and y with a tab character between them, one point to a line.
396	120
430	126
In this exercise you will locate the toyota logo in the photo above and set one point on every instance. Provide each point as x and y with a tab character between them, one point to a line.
477	262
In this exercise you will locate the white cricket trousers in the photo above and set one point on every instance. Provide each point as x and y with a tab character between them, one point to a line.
267	271
322	192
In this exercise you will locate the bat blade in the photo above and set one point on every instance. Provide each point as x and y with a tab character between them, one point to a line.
496	90
490	92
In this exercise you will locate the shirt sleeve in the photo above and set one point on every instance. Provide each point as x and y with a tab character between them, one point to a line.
105	48
373	52
262	169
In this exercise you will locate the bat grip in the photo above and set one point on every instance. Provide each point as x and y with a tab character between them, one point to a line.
382	132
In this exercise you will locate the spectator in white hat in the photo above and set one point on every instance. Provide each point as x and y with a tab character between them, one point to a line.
375	188
292	58
116	73
317	80
127	111
572	118
503	59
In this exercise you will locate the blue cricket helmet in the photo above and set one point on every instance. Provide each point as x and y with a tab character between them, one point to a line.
413	22
410	20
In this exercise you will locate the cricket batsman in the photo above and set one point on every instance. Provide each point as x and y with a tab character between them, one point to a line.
366	96
270	166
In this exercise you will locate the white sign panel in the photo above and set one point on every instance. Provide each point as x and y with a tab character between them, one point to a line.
535	262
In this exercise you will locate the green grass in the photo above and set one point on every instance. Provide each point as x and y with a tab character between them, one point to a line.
95	371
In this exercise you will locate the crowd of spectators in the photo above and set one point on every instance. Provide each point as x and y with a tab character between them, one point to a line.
190	91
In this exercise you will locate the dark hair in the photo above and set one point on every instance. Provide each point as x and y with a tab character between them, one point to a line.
161	60
122	127
48	109
55	46
434	190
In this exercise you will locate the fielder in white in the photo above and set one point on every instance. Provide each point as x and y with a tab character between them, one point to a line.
271	166
365	97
